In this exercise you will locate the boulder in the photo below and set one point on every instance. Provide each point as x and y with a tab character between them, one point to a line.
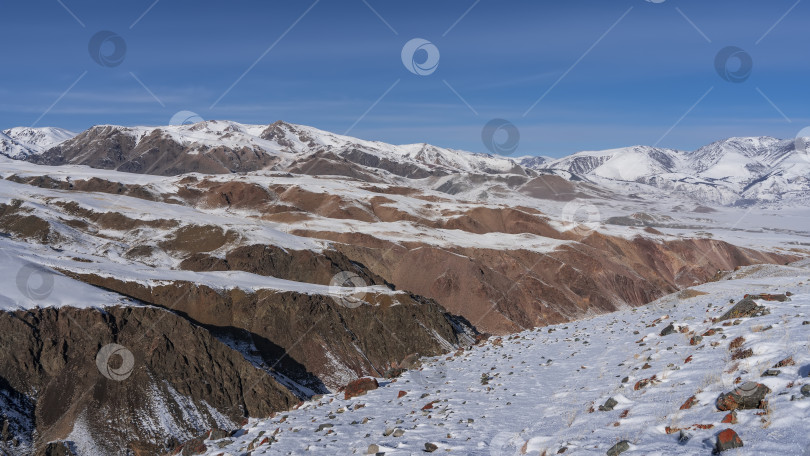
608	406
770	297
727	440
430	447
619	448
805	390
749	395
670	329
360	387
744	309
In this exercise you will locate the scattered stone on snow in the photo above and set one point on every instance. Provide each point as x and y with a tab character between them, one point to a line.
619	448
727	440
360	387
749	395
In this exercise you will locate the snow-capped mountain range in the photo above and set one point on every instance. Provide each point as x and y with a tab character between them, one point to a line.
22	142
735	171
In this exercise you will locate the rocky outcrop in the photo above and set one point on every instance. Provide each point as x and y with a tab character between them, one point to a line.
311	335
297	265
122	379
360	387
508	290
745	308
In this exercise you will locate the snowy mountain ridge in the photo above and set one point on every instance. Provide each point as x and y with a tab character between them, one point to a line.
21	142
734	171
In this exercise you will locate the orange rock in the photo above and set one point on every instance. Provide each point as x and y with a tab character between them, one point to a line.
727	440
689	403
785	362
359	387
644	383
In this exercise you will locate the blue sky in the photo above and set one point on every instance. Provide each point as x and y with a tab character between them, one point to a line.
615	73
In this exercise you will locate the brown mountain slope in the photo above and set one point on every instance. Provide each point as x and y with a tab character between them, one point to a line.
108	147
182	381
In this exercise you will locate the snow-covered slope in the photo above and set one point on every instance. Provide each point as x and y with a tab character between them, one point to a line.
29	284
531	161
21	142
628	164
42	138
733	171
11	148
539	392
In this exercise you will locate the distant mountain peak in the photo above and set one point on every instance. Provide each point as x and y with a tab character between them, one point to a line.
23	142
